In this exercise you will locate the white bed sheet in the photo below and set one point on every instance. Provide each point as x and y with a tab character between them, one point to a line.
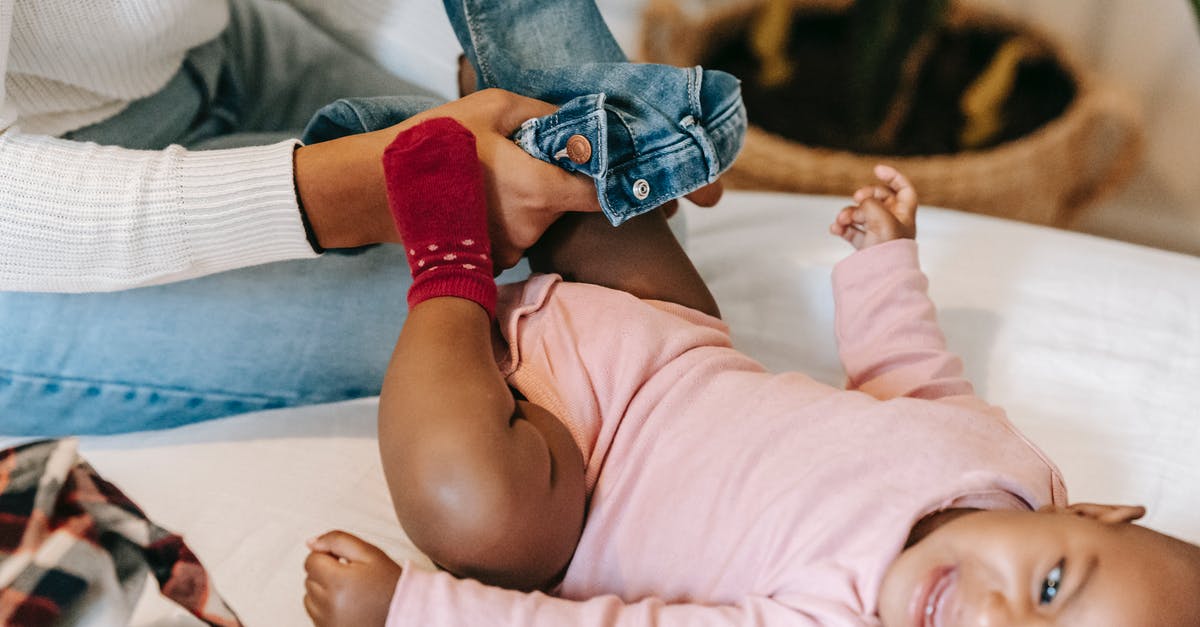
1093	346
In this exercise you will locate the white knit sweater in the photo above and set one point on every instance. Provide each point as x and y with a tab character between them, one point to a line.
78	217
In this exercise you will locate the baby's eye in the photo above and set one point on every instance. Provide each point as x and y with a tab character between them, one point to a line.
1050	585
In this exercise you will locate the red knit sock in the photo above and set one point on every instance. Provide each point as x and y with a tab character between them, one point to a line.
435	191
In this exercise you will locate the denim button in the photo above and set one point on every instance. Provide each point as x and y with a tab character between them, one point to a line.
641	189
579	149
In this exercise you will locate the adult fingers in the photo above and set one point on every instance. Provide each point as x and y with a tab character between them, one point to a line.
513	109
573	191
708	195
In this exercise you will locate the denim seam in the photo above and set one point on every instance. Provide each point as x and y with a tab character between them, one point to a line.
686	142
721	118
569	122
485	72
14	376
694	85
628	129
657	198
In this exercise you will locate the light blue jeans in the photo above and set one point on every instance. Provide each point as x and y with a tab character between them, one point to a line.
278	335
321	330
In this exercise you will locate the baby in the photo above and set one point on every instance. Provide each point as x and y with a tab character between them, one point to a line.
625	465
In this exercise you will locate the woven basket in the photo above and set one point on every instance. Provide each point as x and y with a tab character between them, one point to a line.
1075	160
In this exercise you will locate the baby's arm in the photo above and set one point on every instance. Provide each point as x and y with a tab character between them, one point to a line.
345	566
886	325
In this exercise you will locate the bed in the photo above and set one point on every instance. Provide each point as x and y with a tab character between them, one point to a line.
1092	346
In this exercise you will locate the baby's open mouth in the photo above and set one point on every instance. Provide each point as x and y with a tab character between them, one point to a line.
931	606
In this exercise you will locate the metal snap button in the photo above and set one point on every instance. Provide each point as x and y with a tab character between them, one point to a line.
579	149
641	189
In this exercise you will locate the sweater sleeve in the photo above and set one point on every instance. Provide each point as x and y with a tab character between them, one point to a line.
77	217
886	326
437	599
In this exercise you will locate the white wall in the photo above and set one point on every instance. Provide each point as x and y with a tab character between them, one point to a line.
1151	47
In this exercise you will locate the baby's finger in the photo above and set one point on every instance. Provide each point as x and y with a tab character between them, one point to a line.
315	610
845	216
877	218
344	545
906	194
891	177
854	237
878	192
315	589
318	565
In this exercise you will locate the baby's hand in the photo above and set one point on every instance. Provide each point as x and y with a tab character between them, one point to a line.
350	582
882	213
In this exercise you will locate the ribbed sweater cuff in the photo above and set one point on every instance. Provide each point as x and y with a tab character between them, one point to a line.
240	208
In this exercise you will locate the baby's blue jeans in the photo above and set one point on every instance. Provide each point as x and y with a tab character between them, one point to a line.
650	133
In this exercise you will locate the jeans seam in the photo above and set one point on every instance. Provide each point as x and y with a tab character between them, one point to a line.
485	71
685	142
44	378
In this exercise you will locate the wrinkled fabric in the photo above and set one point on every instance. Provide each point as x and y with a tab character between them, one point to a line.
653	132
64	529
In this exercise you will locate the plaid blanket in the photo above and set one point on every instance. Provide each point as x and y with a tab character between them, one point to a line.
63	530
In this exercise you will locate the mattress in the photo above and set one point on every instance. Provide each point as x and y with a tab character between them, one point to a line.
1092	346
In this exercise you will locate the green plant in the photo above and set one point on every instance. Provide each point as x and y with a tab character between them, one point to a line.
891	41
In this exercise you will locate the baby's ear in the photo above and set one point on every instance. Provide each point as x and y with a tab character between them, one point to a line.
1109	514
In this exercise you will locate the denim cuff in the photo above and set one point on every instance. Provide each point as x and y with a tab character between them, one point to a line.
630	180
639	157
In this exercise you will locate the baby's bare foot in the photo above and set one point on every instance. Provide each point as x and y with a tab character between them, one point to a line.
350	582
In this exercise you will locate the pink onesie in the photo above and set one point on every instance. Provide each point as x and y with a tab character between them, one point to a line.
722	494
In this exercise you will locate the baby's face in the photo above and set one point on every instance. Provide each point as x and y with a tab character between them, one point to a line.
1042	568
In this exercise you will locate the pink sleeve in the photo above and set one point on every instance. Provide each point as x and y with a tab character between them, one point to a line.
887	330
437	599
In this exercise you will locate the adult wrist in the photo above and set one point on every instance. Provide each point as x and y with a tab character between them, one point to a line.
340	188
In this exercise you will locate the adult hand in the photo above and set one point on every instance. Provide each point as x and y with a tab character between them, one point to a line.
340	182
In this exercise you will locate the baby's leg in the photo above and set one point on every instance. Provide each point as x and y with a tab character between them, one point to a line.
487	487
349	582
